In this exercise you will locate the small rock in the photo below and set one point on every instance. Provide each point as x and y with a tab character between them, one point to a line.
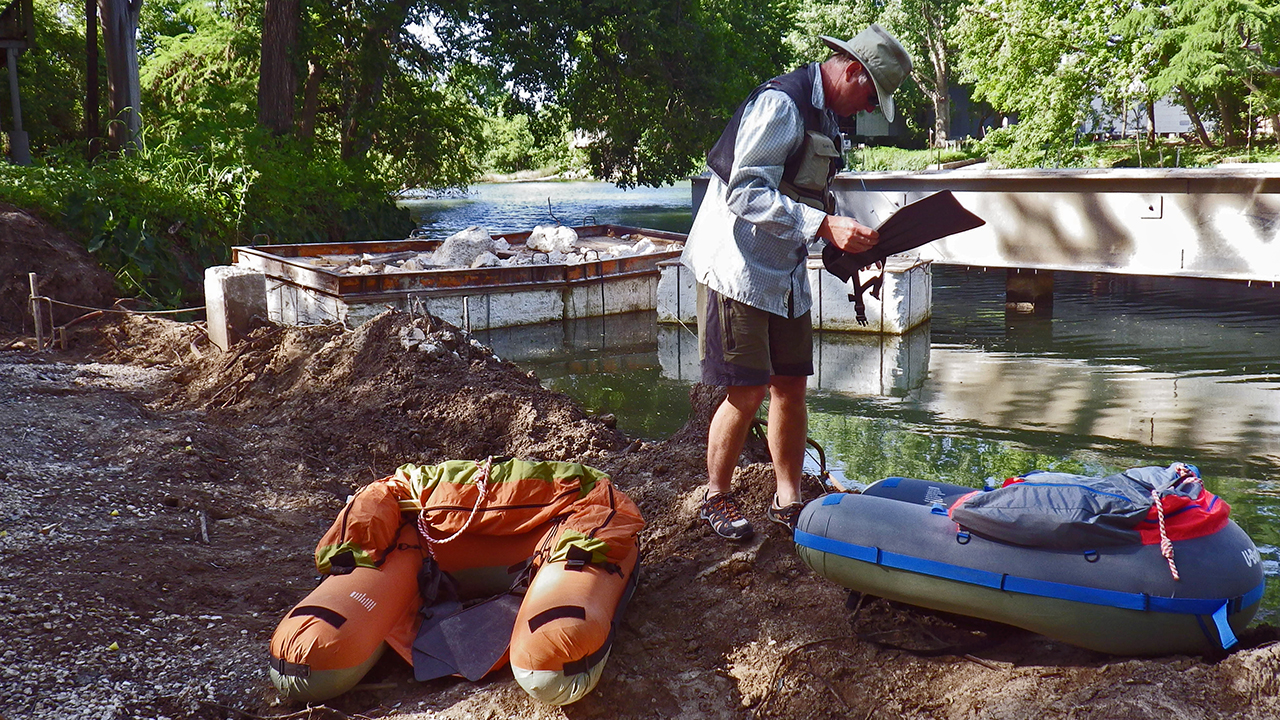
486	259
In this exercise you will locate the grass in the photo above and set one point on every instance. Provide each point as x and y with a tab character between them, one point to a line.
1130	153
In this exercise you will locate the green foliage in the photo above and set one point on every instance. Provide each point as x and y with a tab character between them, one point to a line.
200	82
1213	50
51	79
1042	60
650	83
1046	61
1135	153
159	217
511	145
875	159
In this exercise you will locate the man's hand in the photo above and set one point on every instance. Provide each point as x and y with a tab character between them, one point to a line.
847	234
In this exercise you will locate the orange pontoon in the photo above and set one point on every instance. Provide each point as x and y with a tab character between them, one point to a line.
489	526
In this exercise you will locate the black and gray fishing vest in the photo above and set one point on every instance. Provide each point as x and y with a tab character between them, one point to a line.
807	173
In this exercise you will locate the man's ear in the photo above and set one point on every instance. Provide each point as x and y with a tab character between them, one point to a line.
852	71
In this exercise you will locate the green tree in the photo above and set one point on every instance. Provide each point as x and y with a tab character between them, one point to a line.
925	28
1043	60
198	75
650	82
1213	49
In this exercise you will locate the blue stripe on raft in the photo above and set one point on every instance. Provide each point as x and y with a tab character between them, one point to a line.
940	569
1078	593
1029	586
836	547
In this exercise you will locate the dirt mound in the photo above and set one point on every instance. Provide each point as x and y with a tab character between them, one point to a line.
394	390
67	273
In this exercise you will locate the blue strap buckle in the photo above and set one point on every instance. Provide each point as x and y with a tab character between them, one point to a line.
1225	634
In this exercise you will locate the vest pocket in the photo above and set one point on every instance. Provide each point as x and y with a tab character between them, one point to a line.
818	155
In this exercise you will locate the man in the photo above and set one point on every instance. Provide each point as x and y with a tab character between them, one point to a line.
768	199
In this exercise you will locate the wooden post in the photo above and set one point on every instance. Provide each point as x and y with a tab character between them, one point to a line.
35	312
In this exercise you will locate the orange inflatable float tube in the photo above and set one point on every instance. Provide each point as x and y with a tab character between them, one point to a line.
327	642
566	626
484	523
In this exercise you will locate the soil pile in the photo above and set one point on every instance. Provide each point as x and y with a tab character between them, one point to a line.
395	390
67	273
160	501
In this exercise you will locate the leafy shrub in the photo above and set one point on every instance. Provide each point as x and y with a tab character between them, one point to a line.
158	218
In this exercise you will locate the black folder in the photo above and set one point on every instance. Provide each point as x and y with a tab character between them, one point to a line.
915	224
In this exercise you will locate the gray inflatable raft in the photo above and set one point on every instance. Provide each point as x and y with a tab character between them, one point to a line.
896	541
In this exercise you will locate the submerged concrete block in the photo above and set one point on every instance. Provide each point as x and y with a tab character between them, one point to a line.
906	298
850	363
233	295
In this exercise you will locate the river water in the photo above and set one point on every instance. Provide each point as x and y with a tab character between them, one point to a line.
1122	372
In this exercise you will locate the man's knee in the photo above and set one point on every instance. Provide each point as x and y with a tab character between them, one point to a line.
788	387
746	397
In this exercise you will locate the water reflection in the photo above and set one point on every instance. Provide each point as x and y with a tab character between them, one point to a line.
849	363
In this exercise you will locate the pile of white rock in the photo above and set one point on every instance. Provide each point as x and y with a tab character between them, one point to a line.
473	247
476	248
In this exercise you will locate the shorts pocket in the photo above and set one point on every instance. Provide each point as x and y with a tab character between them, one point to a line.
746	335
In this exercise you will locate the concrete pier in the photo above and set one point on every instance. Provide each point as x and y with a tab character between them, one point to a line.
232	297
905	301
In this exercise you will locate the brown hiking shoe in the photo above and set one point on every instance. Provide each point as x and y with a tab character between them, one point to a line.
785	516
721	511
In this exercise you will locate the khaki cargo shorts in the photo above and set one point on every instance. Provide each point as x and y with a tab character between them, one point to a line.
742	345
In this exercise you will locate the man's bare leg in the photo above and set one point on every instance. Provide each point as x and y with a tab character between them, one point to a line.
728	433
788	428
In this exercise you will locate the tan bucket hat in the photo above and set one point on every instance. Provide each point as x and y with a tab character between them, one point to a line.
883	57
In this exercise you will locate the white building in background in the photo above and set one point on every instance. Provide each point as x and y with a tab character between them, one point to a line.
1170	118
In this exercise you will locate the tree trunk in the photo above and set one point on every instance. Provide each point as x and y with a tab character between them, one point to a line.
1229	123
1189	105
119	38
939	89
310	100
374	62
92	100
1151	122
941	116
278	78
